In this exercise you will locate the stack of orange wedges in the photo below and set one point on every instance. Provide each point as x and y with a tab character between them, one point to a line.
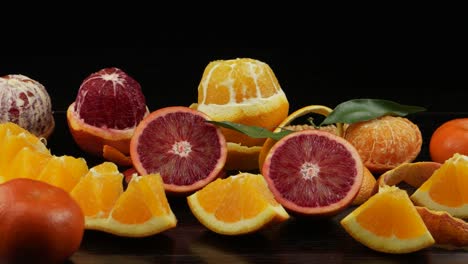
141	210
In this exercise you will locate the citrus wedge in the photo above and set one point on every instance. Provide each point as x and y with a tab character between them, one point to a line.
388	222
63	171
97	192
142	210
236	205
446	189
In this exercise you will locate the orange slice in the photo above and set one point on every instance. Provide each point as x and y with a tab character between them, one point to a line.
142	210
446	189
63	171
236	205
97	192
388	222
114	155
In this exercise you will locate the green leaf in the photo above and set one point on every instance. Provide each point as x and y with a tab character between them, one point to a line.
252	131
357	110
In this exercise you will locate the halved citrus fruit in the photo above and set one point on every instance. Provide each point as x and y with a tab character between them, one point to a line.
388	222
97	192
108	107
446	189
385	142
181	146
313	172
236	205
243	91
285	124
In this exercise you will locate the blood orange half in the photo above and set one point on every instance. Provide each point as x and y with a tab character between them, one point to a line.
181	146
313	172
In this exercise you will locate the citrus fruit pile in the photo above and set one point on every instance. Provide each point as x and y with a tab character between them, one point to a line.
177	150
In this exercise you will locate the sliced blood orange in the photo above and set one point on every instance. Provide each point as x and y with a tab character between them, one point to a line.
181	146
313	172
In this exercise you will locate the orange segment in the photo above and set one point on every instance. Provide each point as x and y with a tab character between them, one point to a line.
12	140
64	172
142	209
114	155
368	187
388	222
446	189
27	163
236	205
97	192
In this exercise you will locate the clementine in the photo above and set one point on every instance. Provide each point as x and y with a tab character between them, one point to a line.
40	223
449	138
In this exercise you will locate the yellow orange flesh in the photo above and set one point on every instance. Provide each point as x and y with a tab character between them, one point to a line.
63	172
236	205
388	222
446	189
142	209
27	163
97	191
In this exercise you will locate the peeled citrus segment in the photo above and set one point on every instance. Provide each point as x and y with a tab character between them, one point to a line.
116	156
448	231
63	171
313	172
368	187
316	109
413	173
236	205
388	222
181	146
27	163
142	210
446	189
97	192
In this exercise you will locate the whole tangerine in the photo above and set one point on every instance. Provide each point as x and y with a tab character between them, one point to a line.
40	223
449	138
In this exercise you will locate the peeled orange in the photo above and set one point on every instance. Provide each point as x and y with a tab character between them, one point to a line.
236	205
243	91
388	222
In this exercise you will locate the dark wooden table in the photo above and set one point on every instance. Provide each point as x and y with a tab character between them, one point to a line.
297	240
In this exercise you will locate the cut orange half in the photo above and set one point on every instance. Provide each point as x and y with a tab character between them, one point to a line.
236	205
446	189
388	222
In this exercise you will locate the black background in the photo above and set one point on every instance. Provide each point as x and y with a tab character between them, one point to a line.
428	74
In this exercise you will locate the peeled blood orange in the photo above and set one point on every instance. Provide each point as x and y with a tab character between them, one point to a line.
108	107
181	146
313	172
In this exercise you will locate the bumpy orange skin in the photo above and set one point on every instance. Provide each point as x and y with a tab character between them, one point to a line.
449	138
92	139
40	223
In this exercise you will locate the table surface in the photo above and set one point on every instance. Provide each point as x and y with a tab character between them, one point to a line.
298	240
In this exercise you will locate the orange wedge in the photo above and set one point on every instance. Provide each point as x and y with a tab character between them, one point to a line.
27	163
141	210
63	171
388	222
97	192
446	189
236	205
